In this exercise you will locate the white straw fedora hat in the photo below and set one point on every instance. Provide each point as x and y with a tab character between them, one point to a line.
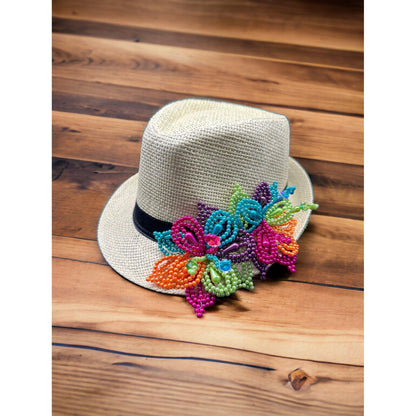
198	156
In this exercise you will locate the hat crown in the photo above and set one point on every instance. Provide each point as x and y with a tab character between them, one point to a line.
197	150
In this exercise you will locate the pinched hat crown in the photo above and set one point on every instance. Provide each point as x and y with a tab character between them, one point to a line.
195	150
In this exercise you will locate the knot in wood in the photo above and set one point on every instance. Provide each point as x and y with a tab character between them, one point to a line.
298	379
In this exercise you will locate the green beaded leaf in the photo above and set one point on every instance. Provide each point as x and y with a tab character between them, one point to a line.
304	206
237	196
192	267
280	213
219	283
283	211
245	275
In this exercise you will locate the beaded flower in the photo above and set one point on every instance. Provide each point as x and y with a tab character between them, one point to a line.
213	254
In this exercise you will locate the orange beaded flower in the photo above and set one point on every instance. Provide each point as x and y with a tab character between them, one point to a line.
287	228
180	271
177	271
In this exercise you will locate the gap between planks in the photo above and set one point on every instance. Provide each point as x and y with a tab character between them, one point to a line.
314	323
289	280
175	341
303	23
156	98
332	253
273	51
317	137
338	187
103	357
195	71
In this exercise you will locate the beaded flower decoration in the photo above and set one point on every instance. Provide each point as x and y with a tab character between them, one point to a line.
212	255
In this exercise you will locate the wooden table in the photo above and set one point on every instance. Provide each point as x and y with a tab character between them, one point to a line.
295	346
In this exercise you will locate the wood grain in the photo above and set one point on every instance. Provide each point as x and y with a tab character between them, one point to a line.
295	345
309	55
229	380
338	188
96	139
321	24
331	253
286	321
89	185
86	186
79	249
205	72
314	135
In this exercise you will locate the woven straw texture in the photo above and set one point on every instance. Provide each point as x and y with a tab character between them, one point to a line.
192	150
196	150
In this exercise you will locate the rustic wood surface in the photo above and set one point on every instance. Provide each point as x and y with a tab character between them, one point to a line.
295	345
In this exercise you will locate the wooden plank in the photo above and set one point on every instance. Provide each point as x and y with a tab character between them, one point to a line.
149	100
299	22
80	191
324	136
89	185
331	253
197	72
97	139
314	135
78	249
338	188
279	318
81	102
104	373
335	58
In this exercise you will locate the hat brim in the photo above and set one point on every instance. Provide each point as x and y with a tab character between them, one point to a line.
133	255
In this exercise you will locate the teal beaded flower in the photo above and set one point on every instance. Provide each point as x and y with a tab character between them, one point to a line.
216	253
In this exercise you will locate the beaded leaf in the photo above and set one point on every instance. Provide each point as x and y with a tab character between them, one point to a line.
222	224
166	244
199	299
248	214
204	211
262	194
237	196
242	248
266	244
281	212
245	275
188	235
171	272
219	283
